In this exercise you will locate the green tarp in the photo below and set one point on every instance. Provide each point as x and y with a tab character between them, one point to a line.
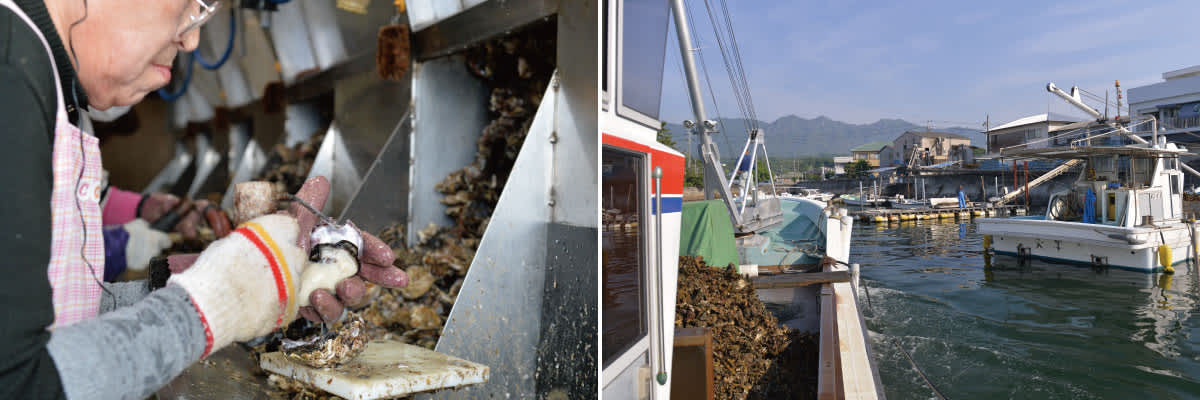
706	231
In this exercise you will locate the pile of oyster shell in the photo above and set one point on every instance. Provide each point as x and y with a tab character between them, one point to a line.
754	356
288	167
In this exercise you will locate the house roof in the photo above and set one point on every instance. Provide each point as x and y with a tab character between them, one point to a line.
873	146
938	134
1038	118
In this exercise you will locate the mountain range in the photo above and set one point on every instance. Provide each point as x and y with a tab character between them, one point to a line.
793	136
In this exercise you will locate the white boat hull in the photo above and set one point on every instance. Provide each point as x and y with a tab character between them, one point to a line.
861	203
910	205
944	202
1094	244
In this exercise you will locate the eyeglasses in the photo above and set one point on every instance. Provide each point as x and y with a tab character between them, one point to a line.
197	15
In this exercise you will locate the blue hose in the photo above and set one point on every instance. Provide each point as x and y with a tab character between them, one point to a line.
187	79
228	47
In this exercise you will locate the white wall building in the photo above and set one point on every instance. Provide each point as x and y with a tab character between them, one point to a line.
839	164
1175	102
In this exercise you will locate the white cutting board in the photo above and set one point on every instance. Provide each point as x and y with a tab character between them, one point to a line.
385	369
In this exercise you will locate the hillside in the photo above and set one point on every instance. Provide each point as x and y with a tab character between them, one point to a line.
792	136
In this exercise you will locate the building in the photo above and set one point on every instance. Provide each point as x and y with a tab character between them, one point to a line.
926	148
1175	102
1032	129
839	164
869	152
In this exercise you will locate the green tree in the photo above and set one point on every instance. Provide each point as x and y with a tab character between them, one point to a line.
763	175
857	169
664	136
693	176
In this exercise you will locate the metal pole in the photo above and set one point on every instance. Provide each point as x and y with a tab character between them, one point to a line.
1027	185
658	257
714	178
982	189
770	173
861	200
875	192
1154	128
1014	175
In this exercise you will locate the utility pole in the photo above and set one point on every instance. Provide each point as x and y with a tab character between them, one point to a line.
1118	85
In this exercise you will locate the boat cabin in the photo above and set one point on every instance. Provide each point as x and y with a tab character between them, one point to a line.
642	187
1132	185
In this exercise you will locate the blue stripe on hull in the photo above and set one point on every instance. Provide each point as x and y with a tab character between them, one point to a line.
1066	261
670	205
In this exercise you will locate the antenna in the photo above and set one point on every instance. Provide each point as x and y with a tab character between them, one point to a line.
1117	83
1106	104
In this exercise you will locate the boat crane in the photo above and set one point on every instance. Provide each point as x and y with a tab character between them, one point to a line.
1074	99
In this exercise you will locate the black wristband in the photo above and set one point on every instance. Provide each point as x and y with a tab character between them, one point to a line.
138	213
160	271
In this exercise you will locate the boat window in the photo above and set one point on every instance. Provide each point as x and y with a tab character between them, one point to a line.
1103	166
1176	187
643	28
1142	169
624	271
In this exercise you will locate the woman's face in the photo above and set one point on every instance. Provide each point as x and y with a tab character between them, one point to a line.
125	48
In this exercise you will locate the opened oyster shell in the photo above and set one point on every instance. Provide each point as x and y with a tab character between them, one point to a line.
332	348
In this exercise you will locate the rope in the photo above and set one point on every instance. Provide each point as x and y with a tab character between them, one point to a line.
919	371
896	343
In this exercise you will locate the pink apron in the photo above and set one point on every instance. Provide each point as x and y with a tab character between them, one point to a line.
75	212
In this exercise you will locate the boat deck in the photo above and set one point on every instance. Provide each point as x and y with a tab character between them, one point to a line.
882	215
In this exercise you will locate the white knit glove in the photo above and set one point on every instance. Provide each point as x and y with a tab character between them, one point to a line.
144	243
244	286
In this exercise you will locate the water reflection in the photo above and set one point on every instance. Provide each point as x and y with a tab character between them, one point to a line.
996	327
622	291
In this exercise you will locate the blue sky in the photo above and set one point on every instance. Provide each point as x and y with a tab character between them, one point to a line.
952	62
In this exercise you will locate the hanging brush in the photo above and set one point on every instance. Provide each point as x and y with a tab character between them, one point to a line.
393	49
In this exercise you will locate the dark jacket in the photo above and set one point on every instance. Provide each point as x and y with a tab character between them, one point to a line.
27	107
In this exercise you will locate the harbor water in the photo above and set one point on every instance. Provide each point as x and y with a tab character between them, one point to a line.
996	328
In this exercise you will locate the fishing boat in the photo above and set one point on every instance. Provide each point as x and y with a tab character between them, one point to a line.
862	201
934	202
1124	210
642	184
816	194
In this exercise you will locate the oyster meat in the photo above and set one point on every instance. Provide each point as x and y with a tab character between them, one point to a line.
332	348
